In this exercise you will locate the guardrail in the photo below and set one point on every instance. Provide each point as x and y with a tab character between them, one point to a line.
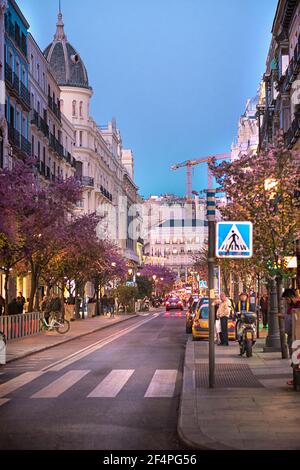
20	326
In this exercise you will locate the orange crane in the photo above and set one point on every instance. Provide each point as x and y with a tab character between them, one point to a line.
191	163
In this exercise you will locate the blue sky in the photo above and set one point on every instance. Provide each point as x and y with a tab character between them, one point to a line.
175	74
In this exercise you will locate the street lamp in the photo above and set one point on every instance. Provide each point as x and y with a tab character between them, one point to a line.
273	339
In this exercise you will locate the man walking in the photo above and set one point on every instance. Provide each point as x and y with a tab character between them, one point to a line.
263	303
223	313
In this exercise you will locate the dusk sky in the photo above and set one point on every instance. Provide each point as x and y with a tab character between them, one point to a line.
175	74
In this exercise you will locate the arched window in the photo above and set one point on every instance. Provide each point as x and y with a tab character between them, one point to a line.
81	109
74	108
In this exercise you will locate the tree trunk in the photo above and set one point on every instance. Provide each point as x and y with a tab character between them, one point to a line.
96	286
283	344
77	304
6	279
34	282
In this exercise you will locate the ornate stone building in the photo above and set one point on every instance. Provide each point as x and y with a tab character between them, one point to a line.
105	168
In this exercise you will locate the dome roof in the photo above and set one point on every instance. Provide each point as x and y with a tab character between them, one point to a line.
65	62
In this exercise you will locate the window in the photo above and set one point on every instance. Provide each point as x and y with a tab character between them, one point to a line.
74	108
80	138
62	105
75	138
31	63
80	109
38	72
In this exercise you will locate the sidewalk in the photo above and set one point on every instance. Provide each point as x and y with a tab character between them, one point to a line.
251	406
23	347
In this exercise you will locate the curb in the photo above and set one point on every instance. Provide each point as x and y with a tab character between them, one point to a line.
44	348
191	434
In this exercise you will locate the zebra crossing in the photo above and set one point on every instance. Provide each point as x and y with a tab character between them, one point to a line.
162	384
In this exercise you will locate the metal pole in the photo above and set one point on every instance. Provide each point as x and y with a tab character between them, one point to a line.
211	216
273	338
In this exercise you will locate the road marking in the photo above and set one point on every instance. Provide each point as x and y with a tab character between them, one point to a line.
59	386
112	384
18	382
62	363
3	401
162	384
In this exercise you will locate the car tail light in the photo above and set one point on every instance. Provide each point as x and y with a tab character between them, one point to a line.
167	303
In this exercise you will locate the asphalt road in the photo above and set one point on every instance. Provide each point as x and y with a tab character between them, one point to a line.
117	389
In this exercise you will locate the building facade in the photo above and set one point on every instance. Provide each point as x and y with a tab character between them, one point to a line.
17	103
279	103
52	135
247	140
105	168
3	125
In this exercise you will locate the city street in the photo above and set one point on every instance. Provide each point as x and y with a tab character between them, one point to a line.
115	389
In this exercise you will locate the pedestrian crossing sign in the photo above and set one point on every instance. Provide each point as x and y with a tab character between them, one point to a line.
234	240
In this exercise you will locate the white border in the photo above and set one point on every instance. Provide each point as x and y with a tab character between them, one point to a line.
250	224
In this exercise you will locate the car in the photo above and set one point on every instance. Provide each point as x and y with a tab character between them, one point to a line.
200	326
174	302
189	317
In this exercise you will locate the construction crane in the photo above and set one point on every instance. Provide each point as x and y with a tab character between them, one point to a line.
189	164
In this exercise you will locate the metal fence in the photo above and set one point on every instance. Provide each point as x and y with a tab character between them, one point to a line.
20	326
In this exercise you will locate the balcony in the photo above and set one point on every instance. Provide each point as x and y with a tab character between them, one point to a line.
293	133
15	36
106	193
25	146
34	118
14	137
8	74
19	141
87	181
24	94
54	108
43	126
16	83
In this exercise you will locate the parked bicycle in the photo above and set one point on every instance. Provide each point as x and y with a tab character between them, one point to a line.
60	325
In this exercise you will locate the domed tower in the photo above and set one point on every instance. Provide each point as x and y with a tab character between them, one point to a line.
70	73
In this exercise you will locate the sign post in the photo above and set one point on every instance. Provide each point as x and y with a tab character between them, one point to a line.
211	217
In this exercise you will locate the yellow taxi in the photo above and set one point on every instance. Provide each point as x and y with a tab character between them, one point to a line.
200	327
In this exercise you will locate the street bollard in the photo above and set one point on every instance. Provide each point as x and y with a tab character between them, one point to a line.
2	348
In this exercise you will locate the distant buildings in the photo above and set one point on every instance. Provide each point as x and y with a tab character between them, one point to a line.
175	230
248	138
44	112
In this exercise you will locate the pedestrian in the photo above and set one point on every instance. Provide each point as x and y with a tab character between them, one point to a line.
2	305
217	321
223	314
105	304
13	307
264	307
293	301
21	301
111	303
243	304
46	307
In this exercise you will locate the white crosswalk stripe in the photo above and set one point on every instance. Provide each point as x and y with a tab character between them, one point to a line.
63	383
162	384
112	384
18	382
